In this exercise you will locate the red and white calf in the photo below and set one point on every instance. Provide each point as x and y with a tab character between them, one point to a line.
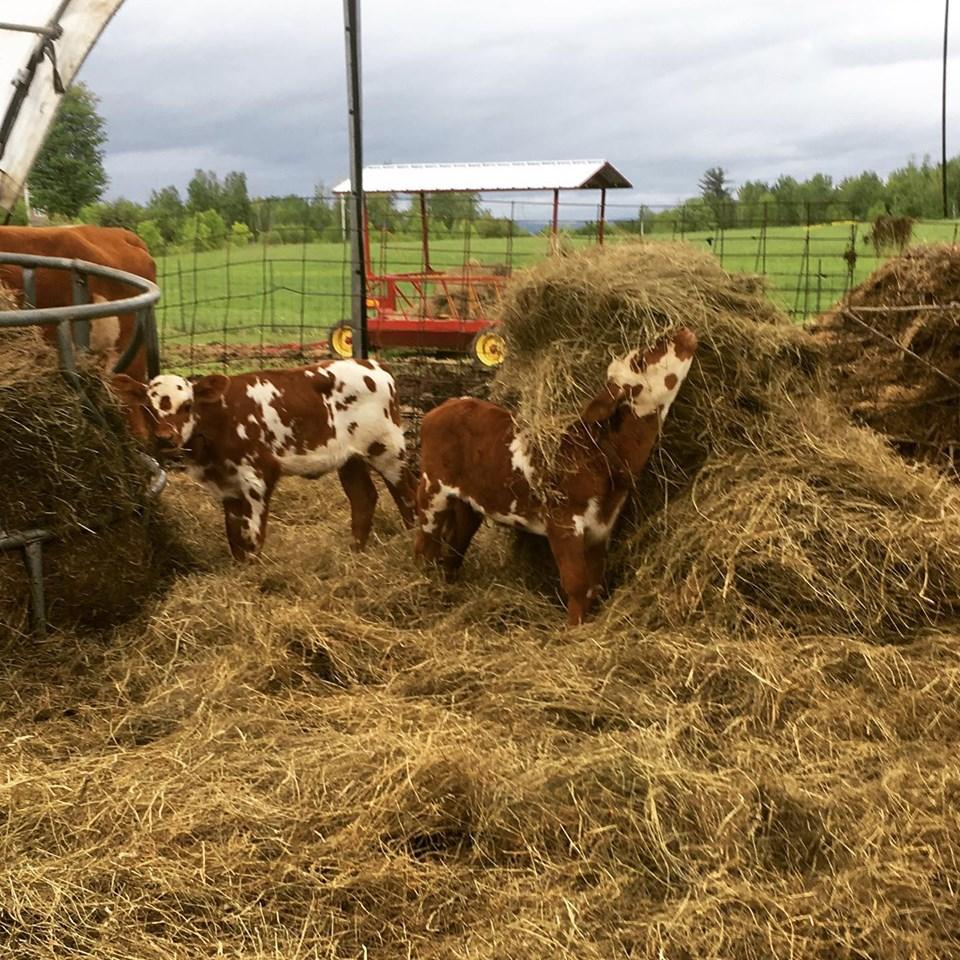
475	465
241	433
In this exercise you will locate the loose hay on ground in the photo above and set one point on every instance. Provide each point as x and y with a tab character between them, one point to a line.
314	773
326	754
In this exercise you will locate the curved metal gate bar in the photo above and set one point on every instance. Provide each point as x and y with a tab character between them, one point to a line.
78	316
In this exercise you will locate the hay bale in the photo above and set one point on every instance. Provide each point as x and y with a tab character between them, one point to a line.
763	506
894	345
82	481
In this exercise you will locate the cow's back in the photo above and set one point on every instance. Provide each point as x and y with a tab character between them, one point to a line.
107	246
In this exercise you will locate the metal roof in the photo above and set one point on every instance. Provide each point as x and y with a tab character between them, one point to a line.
488	177
42	46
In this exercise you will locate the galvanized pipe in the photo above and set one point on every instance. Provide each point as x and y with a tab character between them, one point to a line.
81	295
87	311
33	559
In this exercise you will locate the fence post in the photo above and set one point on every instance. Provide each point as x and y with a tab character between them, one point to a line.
358	287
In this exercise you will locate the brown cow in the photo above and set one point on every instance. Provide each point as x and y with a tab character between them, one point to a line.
474	465
108	246
241	433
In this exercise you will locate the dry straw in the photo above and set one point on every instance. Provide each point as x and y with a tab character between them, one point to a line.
776	506
64	472
894	344
325	754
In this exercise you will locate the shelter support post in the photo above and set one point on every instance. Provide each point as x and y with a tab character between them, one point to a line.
603	215
425	227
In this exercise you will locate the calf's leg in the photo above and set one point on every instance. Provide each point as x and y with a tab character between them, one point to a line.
596	557
462	524
570	554
433	516
404	495
355	479
388	459
246	513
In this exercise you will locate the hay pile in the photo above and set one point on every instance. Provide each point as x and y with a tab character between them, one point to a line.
63	472
894	346
326	754
467	300
751	752
777	509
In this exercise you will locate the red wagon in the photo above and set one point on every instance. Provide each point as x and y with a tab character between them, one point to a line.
451	311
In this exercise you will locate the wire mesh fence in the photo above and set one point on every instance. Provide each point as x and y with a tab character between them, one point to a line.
271	291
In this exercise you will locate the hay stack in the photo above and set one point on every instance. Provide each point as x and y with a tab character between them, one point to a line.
61	471
896	361
764	506
326	754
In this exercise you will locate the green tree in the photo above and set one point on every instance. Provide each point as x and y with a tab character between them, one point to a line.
715	190
166	209
754	201
234	200
204	192
150	234
240	235
789	201
382	213
817	195
68	173
114	213
857	195
214	228
448	208
323	214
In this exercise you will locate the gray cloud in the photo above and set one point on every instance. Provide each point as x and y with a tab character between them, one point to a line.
663	91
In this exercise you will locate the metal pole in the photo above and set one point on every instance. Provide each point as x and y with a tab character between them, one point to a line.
603	214
425	230
943	112
351	19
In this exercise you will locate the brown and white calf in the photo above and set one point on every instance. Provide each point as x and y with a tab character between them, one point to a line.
474	464
240	434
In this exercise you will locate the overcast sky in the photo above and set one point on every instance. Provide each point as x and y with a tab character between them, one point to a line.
662	90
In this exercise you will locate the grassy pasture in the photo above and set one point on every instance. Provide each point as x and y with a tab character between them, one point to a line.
292	293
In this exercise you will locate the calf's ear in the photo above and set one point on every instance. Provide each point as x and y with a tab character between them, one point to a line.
210	388
128	389
604	404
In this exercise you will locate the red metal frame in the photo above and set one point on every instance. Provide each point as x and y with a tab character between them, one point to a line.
397	303
399	317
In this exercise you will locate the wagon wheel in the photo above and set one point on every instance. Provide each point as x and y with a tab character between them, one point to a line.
488	348
340	338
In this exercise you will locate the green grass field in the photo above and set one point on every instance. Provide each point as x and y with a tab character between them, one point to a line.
292	293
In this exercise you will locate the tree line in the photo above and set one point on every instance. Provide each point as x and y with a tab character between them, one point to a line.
913	190
68	180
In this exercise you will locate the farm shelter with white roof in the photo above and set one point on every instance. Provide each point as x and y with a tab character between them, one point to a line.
43	44
488	177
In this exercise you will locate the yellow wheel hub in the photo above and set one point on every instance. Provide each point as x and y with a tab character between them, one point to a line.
341	342
489	348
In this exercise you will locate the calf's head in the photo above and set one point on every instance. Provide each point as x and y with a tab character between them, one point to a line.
165	409
646	380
